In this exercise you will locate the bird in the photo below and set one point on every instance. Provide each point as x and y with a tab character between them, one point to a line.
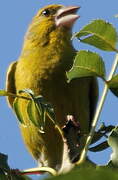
47	54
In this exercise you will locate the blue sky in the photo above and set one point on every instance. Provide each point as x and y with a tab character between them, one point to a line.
14	19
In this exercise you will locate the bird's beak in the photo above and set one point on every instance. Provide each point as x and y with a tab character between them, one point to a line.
66	16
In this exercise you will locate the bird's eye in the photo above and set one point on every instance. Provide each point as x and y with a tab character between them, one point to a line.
46	12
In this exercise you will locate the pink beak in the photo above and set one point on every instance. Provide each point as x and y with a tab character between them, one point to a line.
66	16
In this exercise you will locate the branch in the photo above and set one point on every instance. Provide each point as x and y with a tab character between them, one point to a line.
98	111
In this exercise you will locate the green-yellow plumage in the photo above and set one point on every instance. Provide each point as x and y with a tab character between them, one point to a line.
46	55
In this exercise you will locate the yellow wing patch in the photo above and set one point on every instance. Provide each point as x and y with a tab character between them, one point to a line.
10	82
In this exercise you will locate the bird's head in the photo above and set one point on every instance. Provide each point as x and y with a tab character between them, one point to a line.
52	18
58	15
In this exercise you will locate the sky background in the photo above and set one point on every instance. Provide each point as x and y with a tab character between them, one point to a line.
14	19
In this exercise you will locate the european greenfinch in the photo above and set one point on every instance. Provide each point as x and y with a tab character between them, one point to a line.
46	56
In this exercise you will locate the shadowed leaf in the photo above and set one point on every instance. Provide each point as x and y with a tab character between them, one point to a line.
88	173
100	147
113	142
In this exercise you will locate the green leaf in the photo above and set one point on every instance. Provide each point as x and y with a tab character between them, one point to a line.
113	142
100	34
35	110
88	173
3	161
45	109
102	131
38	110
100	147
40	105
113	85
7	173
31	113
87	64
34	116
17	110
113	138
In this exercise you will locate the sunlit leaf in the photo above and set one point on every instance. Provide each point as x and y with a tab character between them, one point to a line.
31	112
87	64
100	34
40	106
113	85
17	110
34	115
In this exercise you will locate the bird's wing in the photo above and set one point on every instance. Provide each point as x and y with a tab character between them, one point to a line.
10	82
94	94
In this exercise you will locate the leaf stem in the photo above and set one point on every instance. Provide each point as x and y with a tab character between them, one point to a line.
98	111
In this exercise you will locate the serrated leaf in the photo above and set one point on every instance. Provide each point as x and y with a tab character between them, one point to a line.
87	64
113	85
100	34
17	110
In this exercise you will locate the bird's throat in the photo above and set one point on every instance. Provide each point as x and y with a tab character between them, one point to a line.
54	53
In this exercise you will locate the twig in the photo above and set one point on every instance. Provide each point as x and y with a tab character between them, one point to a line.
98	111
39	170
15	95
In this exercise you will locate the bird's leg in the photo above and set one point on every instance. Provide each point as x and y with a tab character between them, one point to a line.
72	136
